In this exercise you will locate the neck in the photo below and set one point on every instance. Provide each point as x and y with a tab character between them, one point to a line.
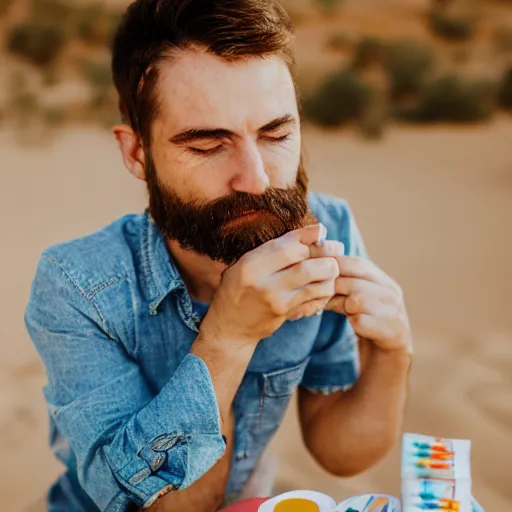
201	274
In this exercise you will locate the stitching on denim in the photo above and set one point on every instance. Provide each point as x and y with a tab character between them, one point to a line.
83	293
102	286
151	259
144	252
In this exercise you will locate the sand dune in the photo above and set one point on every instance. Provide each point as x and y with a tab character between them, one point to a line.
435	207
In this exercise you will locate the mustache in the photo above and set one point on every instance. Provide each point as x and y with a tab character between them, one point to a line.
273	200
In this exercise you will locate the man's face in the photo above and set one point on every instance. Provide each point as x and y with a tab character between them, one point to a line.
225	153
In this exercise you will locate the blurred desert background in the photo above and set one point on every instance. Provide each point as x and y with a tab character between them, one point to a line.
407	107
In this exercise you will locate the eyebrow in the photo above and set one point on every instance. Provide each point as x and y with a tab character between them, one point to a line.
194	134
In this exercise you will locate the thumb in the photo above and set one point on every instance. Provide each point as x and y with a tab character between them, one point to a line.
309	235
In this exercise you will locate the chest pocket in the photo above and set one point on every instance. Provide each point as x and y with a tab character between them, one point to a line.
276	390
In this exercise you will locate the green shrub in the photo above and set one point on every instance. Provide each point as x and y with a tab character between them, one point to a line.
373	121
457	99
368	50
54	12
503	39
505	96
409	64
25	104
98	75
338	41
328	5
51	75
39	43
54	117
455	27
341	98
96	24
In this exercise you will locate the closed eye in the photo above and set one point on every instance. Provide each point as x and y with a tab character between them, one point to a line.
210	151
276	140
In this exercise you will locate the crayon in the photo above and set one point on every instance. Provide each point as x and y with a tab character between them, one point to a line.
437	446
434	464
434	455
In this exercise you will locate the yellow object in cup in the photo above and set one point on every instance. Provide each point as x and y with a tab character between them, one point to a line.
296	505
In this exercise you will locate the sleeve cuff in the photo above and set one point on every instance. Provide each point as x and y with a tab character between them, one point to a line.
330	378
177	438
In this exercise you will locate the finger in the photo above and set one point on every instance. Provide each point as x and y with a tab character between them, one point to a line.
313	291
286	250
362	304
306	272
375	329
313	307
351	285
366	270
330	248
309	235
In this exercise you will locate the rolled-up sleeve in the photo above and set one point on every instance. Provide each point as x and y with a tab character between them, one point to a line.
334	363
130	444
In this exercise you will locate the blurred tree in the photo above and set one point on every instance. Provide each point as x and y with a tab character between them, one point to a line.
450	24
502	38
54	12
409	64
96	24
98	75
505	96
369	50
457	99
341	98
38	43
329	5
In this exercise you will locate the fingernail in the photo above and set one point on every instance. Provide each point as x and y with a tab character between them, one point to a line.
320	313
322	235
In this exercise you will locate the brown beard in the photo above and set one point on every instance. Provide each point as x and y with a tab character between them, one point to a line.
217	228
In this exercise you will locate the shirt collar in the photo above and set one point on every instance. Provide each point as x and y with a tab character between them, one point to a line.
162	276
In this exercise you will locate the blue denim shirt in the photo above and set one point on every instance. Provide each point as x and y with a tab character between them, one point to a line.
132	412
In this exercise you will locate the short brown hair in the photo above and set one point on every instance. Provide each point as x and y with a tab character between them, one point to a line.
152	29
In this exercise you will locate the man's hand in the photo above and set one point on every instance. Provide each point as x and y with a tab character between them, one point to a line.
372	301
257	294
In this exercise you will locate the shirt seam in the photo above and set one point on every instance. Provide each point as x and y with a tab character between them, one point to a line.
87	296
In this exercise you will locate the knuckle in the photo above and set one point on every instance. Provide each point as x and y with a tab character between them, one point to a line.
305	270
268	298
334	270
247	276
306	294
278	307
357	321
354	303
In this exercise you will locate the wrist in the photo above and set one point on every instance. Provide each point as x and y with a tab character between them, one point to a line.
225	344
215	330
400	355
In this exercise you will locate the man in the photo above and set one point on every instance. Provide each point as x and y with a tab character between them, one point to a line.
173	340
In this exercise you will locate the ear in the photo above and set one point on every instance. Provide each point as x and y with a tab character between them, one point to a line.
131	150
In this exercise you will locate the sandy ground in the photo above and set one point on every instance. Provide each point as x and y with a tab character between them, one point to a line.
435	207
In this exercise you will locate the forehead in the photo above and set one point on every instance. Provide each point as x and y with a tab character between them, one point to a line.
196	88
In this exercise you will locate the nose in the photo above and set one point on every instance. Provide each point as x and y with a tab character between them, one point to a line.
250	174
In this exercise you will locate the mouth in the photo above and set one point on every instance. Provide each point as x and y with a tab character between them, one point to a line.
247	215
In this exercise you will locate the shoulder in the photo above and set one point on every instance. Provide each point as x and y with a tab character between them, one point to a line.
93	260
337	217
86	282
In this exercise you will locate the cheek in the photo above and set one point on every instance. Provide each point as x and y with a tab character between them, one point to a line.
281	165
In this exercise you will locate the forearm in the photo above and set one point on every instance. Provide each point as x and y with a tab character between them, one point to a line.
354	430
227	362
